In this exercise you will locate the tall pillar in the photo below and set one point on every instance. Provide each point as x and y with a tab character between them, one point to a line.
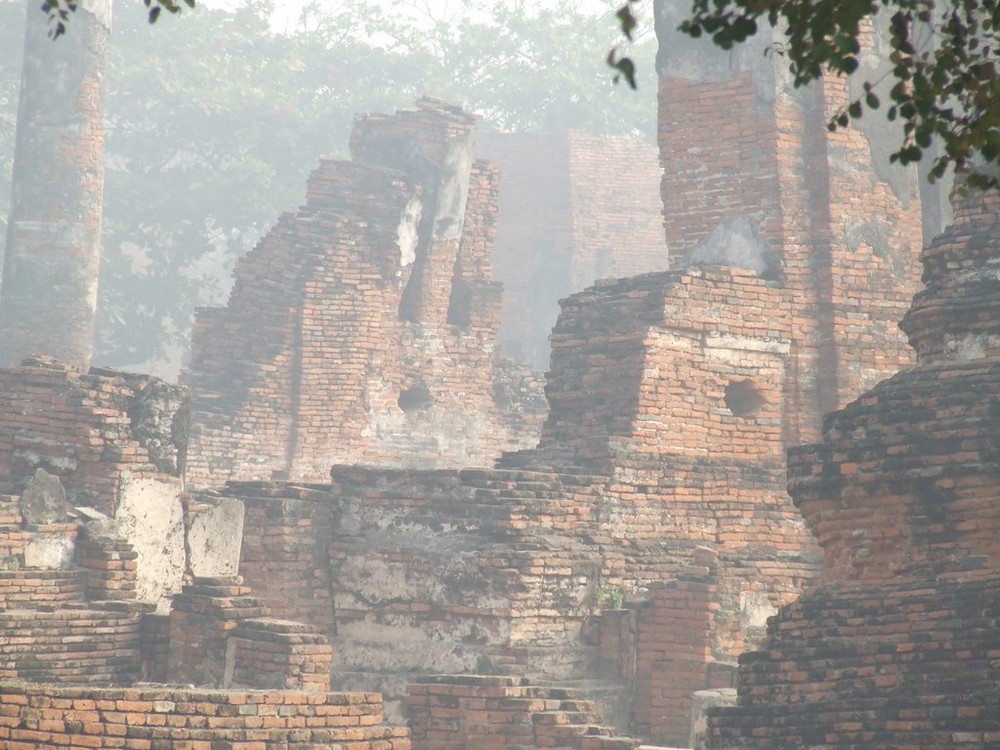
48	294
748	162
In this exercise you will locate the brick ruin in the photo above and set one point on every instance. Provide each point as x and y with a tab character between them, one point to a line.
509	570
898	646
94	532
363	329
494	574
752	176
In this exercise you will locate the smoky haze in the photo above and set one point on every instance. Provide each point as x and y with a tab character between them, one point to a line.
214	119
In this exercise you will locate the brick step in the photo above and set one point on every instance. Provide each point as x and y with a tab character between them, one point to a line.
229	729
560	735
81	617
10	512
559	717
34	574
123	660
542	699
77	646
514	495
611	742
41	588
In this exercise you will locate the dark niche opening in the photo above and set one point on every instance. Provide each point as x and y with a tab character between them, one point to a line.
415	399
743	399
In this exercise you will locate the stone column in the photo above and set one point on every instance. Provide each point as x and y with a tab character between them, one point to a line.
48	295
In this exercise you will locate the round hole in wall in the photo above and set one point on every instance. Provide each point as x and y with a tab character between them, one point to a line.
743	399
415	399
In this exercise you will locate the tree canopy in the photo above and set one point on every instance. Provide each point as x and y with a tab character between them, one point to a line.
943	82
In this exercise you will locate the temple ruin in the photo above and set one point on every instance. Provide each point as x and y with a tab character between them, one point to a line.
897	645
360	525
364	328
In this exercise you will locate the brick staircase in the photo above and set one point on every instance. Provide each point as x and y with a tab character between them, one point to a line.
448	712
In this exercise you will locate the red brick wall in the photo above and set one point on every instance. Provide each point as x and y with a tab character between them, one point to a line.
718	151
75	426
285	556
847	228
47	716
356	334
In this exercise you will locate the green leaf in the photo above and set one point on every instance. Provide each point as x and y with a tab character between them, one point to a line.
626	20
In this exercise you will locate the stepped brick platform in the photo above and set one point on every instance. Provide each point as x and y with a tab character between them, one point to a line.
898	646
72	645
115	442
75	620
222	636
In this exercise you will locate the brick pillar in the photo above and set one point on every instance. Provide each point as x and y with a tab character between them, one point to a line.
204	616
109	566
740	146
272	654
675	652
49	292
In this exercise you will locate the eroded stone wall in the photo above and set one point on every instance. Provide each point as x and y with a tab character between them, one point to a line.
452	712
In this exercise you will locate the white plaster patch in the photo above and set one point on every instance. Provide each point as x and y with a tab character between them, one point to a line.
746	344
151	519
755	609
54	553
214	540
407	234
971	347
453	190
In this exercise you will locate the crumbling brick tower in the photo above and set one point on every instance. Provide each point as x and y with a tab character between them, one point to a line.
738	143
898	646
363	329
